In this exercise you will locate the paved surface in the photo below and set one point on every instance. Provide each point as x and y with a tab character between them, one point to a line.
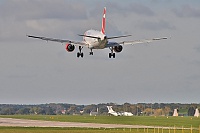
38	123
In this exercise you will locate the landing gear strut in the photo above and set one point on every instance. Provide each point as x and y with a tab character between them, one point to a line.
112	54
80	53
91	53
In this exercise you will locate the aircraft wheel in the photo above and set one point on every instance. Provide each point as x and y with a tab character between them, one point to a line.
113	55
81	55
78	55
91	53
109	55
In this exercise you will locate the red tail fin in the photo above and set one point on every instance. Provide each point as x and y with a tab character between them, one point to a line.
103	21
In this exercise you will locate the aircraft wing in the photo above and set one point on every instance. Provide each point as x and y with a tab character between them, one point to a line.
58	40
142	41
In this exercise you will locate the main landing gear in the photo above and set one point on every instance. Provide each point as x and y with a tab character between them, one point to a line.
80	54
112	54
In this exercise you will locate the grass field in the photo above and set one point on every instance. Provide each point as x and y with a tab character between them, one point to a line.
185	122
88	130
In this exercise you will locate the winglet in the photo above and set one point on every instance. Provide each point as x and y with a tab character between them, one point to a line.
103	21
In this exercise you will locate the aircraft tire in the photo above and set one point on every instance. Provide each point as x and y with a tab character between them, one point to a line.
109	55
113	55
78	55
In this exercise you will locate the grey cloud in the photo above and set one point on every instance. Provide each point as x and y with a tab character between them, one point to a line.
36	9
141	9
133	7
187	11
196	62
21	17
197	49
159	25
20	76
36	68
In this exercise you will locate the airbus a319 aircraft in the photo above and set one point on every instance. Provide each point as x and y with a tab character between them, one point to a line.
94	39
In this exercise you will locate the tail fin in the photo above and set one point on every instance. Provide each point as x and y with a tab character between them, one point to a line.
103	21
110	110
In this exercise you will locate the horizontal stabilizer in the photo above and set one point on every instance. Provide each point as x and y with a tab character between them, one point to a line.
90	36
114	37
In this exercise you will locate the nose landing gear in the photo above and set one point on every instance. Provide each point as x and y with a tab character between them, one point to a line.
91	53
112	54
80	54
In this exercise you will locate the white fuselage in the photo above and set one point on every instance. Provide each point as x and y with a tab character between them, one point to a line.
112	112
95	43
127	114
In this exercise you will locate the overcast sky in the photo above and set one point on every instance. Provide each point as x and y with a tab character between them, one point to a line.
34	71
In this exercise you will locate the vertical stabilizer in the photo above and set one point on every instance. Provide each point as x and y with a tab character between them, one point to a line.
103	21
110	110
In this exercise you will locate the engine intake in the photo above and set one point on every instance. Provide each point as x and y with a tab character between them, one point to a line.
118	49
70	47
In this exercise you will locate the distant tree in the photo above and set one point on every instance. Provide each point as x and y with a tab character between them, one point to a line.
191	111
8	111
147	111
166	110
39	110
23	111
89	108
49	111
102	110
158	112
171	113
59	112
126	107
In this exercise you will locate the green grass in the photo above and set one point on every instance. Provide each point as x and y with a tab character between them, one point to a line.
87	130
136	120
183	111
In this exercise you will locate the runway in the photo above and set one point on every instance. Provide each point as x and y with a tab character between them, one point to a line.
38	123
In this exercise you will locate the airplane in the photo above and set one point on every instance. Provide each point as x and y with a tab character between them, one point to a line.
112	112
94	39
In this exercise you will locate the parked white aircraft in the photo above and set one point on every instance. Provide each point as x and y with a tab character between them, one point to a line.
112	112
94	39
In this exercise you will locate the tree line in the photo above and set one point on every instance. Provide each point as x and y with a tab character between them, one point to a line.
139	109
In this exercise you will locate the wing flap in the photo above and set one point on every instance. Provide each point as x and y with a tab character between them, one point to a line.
142	41
58	40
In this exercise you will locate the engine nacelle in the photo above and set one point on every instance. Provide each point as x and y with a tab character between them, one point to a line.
70	47
118	49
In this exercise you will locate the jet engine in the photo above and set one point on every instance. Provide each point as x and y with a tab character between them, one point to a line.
118	49
70	47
